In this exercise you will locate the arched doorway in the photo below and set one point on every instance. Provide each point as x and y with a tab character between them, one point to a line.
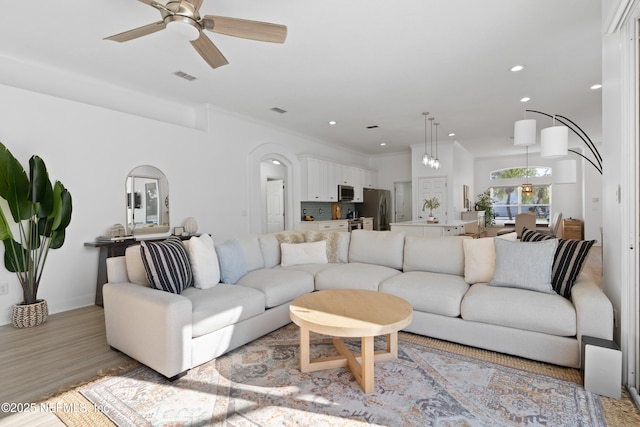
258	186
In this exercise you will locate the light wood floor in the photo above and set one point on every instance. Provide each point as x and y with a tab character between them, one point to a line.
71	348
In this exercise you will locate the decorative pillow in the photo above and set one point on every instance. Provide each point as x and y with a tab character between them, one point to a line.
167	265
231	260
480	257
568	260
524	265
290	237
331	237
303	253
204	261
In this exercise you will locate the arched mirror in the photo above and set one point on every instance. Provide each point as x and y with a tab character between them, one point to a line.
147	191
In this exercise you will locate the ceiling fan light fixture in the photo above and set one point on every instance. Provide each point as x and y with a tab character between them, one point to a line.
182	27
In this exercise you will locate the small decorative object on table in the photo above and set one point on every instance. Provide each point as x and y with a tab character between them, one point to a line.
432	203
178	231
190	225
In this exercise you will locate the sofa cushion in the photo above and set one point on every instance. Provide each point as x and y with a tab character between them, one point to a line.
520	309
303	253
231	260
135	266
480	257
353	276
384	248
434	293
252	252
438	255
204	261
312	269
278	285
224	305
524	265
167	265
568	260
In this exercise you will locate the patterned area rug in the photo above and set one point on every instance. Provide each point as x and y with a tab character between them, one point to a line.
260	384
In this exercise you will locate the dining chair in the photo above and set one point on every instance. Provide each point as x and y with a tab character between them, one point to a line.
554	225
525	219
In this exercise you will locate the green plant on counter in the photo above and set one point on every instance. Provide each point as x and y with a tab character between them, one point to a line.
432	203
484	203
41	213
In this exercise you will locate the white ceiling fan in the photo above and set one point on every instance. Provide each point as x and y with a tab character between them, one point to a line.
184	17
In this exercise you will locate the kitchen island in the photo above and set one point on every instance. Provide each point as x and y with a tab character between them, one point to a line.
423	228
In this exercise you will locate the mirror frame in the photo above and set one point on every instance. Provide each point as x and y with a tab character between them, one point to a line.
147	174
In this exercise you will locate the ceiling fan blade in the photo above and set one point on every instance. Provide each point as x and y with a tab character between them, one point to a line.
137	32
254	30
209	51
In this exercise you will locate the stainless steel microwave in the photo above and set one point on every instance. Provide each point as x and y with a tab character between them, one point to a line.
345	193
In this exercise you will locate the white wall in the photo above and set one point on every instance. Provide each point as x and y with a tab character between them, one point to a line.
92	149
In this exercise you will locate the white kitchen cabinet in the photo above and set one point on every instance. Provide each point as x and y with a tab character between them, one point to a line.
320	180
336	225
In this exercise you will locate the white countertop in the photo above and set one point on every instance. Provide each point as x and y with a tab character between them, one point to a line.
423	223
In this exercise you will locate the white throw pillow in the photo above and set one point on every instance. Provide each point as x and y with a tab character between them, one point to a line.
303	253
204	261
480	258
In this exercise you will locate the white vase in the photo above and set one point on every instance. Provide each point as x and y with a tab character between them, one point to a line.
190	225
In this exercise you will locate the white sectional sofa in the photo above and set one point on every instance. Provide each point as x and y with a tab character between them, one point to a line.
445	280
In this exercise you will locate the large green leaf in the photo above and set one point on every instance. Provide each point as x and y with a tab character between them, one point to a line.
62	207
14	185
40	191
57	240
5	227
15	256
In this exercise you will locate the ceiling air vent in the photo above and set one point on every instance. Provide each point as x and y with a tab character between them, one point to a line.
185	75
278	110
372	127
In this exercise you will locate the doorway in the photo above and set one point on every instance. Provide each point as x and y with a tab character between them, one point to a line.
275	205
402	201
427	189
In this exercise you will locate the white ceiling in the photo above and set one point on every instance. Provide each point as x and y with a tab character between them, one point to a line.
358	62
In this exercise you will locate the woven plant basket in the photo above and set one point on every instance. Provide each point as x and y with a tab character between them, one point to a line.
30	315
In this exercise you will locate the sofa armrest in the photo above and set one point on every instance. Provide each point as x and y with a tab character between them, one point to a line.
152	326
117	269
594	311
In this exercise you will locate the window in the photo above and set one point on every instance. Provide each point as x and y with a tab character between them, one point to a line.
508	199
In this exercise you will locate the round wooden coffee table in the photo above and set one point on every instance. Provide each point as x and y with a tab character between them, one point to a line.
350	313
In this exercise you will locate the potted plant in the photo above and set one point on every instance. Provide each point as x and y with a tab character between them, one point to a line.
484	204
432	203
40	212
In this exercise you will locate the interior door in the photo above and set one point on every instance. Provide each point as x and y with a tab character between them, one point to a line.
428	188
275	205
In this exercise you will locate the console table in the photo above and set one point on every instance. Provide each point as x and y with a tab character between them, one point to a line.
110	249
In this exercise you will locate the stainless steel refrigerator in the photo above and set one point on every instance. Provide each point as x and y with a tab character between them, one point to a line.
377	204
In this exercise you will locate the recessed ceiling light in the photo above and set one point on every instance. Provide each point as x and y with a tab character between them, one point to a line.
382	144
452	134
516	68
332	122
278	110
275	162
525	99
596	86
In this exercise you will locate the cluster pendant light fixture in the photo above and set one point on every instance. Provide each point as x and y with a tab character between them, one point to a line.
429	159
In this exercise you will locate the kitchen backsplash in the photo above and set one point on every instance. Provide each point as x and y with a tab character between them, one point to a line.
321	211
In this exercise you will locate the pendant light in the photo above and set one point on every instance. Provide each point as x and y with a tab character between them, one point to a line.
554	141
528	187
436	162
432	159
425	157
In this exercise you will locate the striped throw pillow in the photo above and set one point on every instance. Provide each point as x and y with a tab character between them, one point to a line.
567	262
167	265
